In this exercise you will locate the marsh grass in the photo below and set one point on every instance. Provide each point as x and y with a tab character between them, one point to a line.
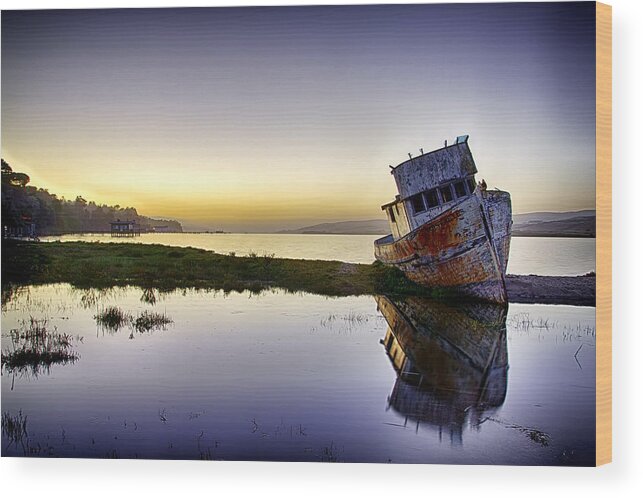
579	332
112	318
10	293
149	320
14	433
535	435
354	317
14	428
149	296
524	323
344	323
156	266
331	454
35	348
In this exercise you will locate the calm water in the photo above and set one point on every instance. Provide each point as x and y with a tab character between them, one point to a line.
302	377
529	255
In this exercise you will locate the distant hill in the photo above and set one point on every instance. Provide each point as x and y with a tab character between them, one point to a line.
551	224
540	217
542	224
360	227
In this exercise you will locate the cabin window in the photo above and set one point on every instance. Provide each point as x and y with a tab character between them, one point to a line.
447	195
391	214
460	189
471	183
431	198
418	203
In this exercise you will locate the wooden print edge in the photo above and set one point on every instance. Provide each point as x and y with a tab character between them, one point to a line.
603	233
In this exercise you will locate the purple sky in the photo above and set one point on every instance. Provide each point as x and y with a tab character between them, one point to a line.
269	118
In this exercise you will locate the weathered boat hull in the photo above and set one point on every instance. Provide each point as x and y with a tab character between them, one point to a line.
451	361
464	250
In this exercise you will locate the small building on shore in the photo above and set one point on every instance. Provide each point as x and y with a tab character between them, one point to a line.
124	228
21	227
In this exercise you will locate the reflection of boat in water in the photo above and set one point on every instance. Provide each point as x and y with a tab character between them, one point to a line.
451	361
447	231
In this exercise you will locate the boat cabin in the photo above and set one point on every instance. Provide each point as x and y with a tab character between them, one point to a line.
430	184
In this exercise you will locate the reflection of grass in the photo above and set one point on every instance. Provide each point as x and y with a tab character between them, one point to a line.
535	435
149	320
330	454
524	323
14	428
53	351
351	319
157	266
9	293
35	347
112	318
91	297
149	296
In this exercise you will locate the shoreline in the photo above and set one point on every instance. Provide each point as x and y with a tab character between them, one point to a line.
94	264
540	289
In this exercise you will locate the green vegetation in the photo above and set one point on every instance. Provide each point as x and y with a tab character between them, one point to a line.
101	265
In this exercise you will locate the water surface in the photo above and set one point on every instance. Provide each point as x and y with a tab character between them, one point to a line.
301	377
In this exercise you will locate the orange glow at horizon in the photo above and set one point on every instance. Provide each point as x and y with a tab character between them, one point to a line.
247	197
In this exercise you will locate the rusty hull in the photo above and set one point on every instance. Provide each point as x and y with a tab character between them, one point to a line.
464	250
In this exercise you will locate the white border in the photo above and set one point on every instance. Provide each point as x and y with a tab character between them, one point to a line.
105	478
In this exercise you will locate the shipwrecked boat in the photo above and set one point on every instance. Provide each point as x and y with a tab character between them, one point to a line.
448	231
451	361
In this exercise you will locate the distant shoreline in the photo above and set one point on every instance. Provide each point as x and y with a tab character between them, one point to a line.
540	235
542	224
207	232
557	236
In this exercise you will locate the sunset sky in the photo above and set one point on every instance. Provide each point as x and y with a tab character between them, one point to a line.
258	119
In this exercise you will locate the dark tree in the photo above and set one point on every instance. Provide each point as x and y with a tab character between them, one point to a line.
11	178
26	206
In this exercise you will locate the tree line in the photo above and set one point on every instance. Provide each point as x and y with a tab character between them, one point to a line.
33	211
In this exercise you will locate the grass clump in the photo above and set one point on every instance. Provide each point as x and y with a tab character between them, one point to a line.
35	348
14	428
149	320
112	318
